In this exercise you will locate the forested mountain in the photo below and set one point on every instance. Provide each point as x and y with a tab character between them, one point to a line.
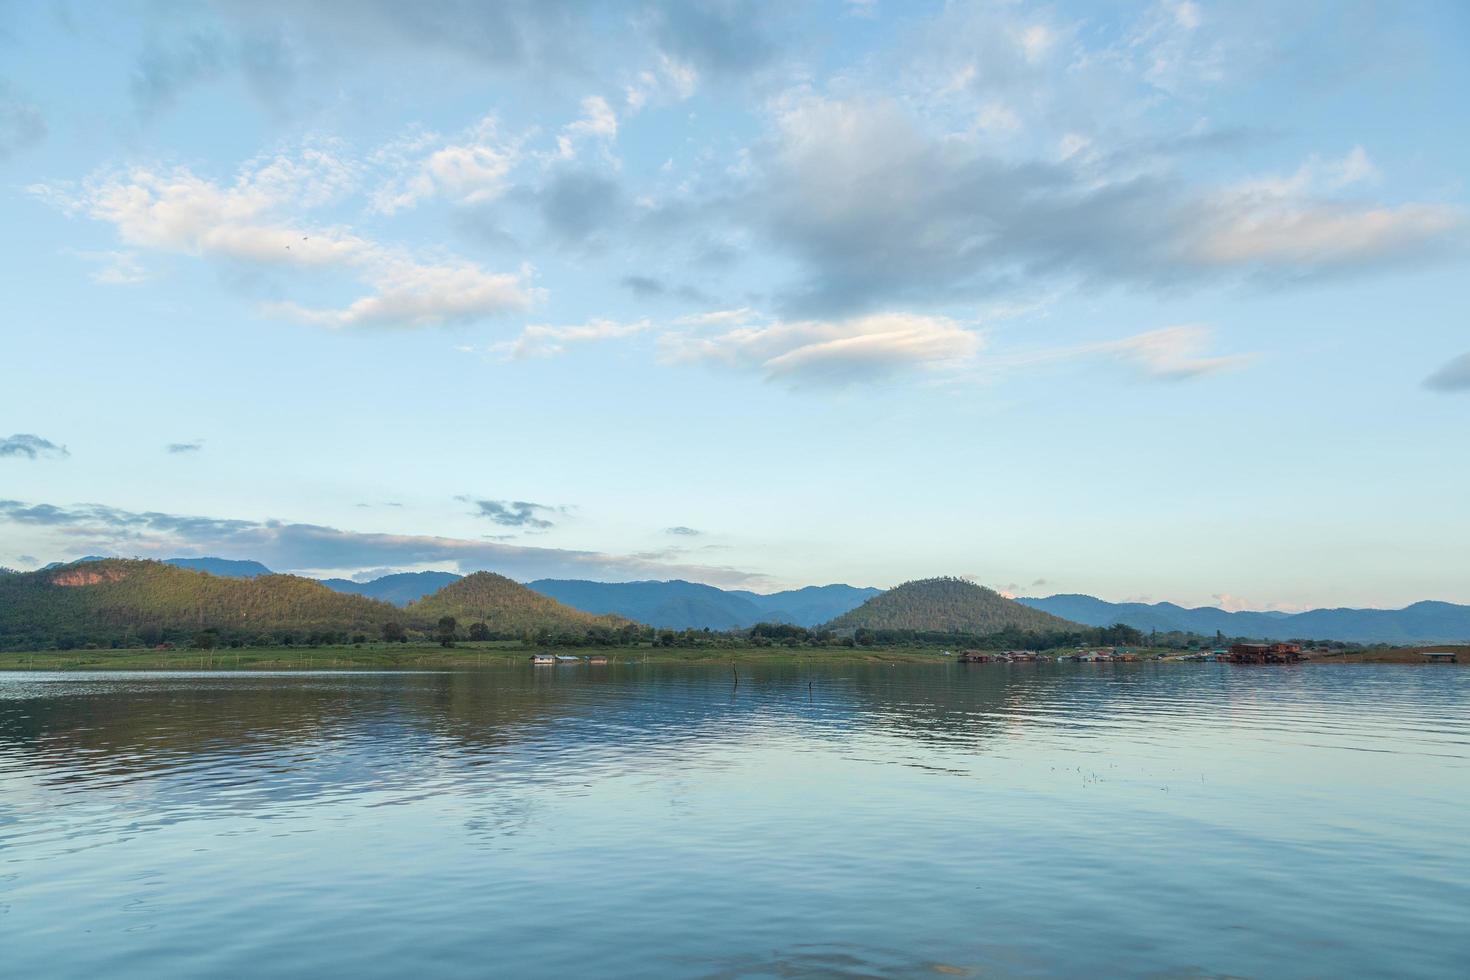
130	601
400	588
226	567
678	604
946	605
1422	622
506	607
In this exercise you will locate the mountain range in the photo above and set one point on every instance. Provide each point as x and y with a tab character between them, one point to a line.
1422	622
123	601
683	605
688	605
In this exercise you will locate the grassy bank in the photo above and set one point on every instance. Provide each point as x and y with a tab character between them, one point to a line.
462	656
399	656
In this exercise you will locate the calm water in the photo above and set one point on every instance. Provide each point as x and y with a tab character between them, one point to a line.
1032	820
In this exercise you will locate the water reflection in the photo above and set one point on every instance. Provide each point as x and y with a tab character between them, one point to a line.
813	820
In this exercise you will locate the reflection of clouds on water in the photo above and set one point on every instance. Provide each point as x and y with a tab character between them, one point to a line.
854	820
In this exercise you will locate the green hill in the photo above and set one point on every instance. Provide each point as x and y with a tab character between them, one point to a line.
118	600
946	605
505	606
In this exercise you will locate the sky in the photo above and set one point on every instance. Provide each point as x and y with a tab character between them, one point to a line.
1146	301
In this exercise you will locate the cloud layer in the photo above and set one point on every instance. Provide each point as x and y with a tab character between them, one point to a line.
98	528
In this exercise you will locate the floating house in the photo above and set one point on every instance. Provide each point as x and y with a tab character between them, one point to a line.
1093	656
1264	653
1441	656
975	657
597	660
543	659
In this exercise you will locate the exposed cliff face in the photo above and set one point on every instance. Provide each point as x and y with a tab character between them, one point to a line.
88	576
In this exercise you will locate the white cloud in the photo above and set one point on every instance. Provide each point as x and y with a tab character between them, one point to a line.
255	220
1300	219
409	294
545	340
671	77
836	352
471	170
598	122
1311	236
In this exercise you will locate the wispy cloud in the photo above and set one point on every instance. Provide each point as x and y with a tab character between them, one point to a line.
831	352
178	448
687	532
545	340
1174	353
114	267
31	447
516	513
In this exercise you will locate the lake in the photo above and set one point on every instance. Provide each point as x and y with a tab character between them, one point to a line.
1029	820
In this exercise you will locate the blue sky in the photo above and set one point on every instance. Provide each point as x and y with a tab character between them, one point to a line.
1145	301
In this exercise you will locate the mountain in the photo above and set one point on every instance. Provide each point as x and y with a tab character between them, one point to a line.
399	589
119	599
678	604
1422	622
227	567
811	606
505	606
948	605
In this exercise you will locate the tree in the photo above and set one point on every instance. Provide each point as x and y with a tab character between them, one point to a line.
479	631
393	632
446	631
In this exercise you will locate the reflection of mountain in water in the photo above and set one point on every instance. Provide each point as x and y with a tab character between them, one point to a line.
350	732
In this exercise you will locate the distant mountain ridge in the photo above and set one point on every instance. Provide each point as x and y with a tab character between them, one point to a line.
1422	622
226	567
677	604
400	588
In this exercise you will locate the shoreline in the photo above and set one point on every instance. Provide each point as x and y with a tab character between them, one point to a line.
467	656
